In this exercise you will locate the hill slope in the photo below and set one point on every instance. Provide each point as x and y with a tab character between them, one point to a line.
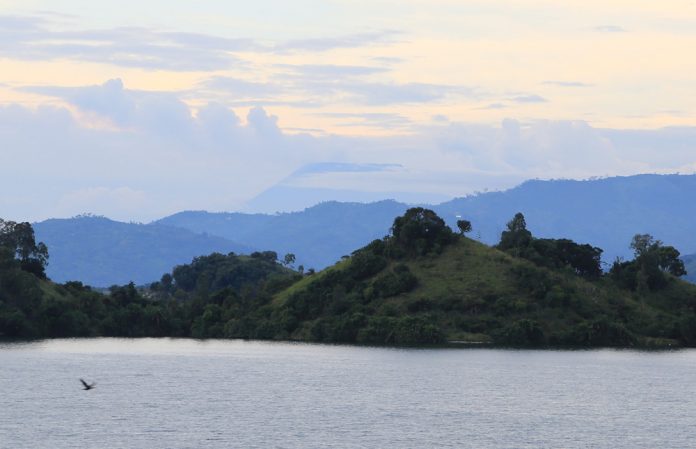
474	293
101	252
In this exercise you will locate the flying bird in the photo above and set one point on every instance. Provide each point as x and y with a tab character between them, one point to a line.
87	386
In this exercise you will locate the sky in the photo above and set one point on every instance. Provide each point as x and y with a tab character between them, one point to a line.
136	110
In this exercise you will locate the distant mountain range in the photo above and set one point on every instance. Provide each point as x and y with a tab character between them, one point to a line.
102	252
603	212
318	236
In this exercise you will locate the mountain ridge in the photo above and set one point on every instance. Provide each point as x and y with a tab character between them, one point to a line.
604	212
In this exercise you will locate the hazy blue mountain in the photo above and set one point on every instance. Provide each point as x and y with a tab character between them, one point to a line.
690	264
289	198
297	191
101	252
318	236
604	212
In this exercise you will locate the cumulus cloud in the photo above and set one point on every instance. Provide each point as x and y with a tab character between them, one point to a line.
128	108
162	156
174	158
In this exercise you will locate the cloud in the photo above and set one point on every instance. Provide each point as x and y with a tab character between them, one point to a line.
176	159
326	43
319	85
266	126
495	106
46	37
162	156
126	108
384	94
529	99
330	71
34	38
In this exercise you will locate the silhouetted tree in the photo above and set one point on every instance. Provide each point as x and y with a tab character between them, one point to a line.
288	259
464	226
516	235
19	239
420	231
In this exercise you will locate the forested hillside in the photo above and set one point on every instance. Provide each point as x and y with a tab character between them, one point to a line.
423	283
101	252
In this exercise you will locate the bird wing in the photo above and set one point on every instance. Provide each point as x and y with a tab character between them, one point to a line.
84	383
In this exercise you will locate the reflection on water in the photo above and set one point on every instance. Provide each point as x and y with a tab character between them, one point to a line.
168	393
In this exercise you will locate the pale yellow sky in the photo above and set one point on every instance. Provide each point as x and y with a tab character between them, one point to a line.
614	64
135	109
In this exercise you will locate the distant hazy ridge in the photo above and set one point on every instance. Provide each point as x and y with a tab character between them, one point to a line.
603	212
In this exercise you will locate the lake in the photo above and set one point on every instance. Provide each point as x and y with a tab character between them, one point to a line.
170	393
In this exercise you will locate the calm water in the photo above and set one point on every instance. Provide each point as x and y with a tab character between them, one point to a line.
160	393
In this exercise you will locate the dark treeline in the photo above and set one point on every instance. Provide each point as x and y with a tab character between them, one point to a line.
423	283
189	302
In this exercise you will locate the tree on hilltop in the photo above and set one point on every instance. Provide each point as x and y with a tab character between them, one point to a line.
19	239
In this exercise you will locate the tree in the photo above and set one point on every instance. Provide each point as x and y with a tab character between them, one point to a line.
464	226
19	238
288	259
642	243
648	250
652	261
420	230
516	236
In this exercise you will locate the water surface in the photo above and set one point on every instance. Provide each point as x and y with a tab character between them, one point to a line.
167	393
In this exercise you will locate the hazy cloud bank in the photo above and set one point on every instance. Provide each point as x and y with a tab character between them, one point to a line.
140	155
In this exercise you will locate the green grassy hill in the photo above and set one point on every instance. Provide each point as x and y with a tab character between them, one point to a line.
470	292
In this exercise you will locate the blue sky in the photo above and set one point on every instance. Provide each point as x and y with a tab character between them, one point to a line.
135	110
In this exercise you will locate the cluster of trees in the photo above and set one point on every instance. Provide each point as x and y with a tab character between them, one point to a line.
17	241
585	260
366	298
652	267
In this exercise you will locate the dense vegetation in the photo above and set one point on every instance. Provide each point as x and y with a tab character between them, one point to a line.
423	283
187	302
102	252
